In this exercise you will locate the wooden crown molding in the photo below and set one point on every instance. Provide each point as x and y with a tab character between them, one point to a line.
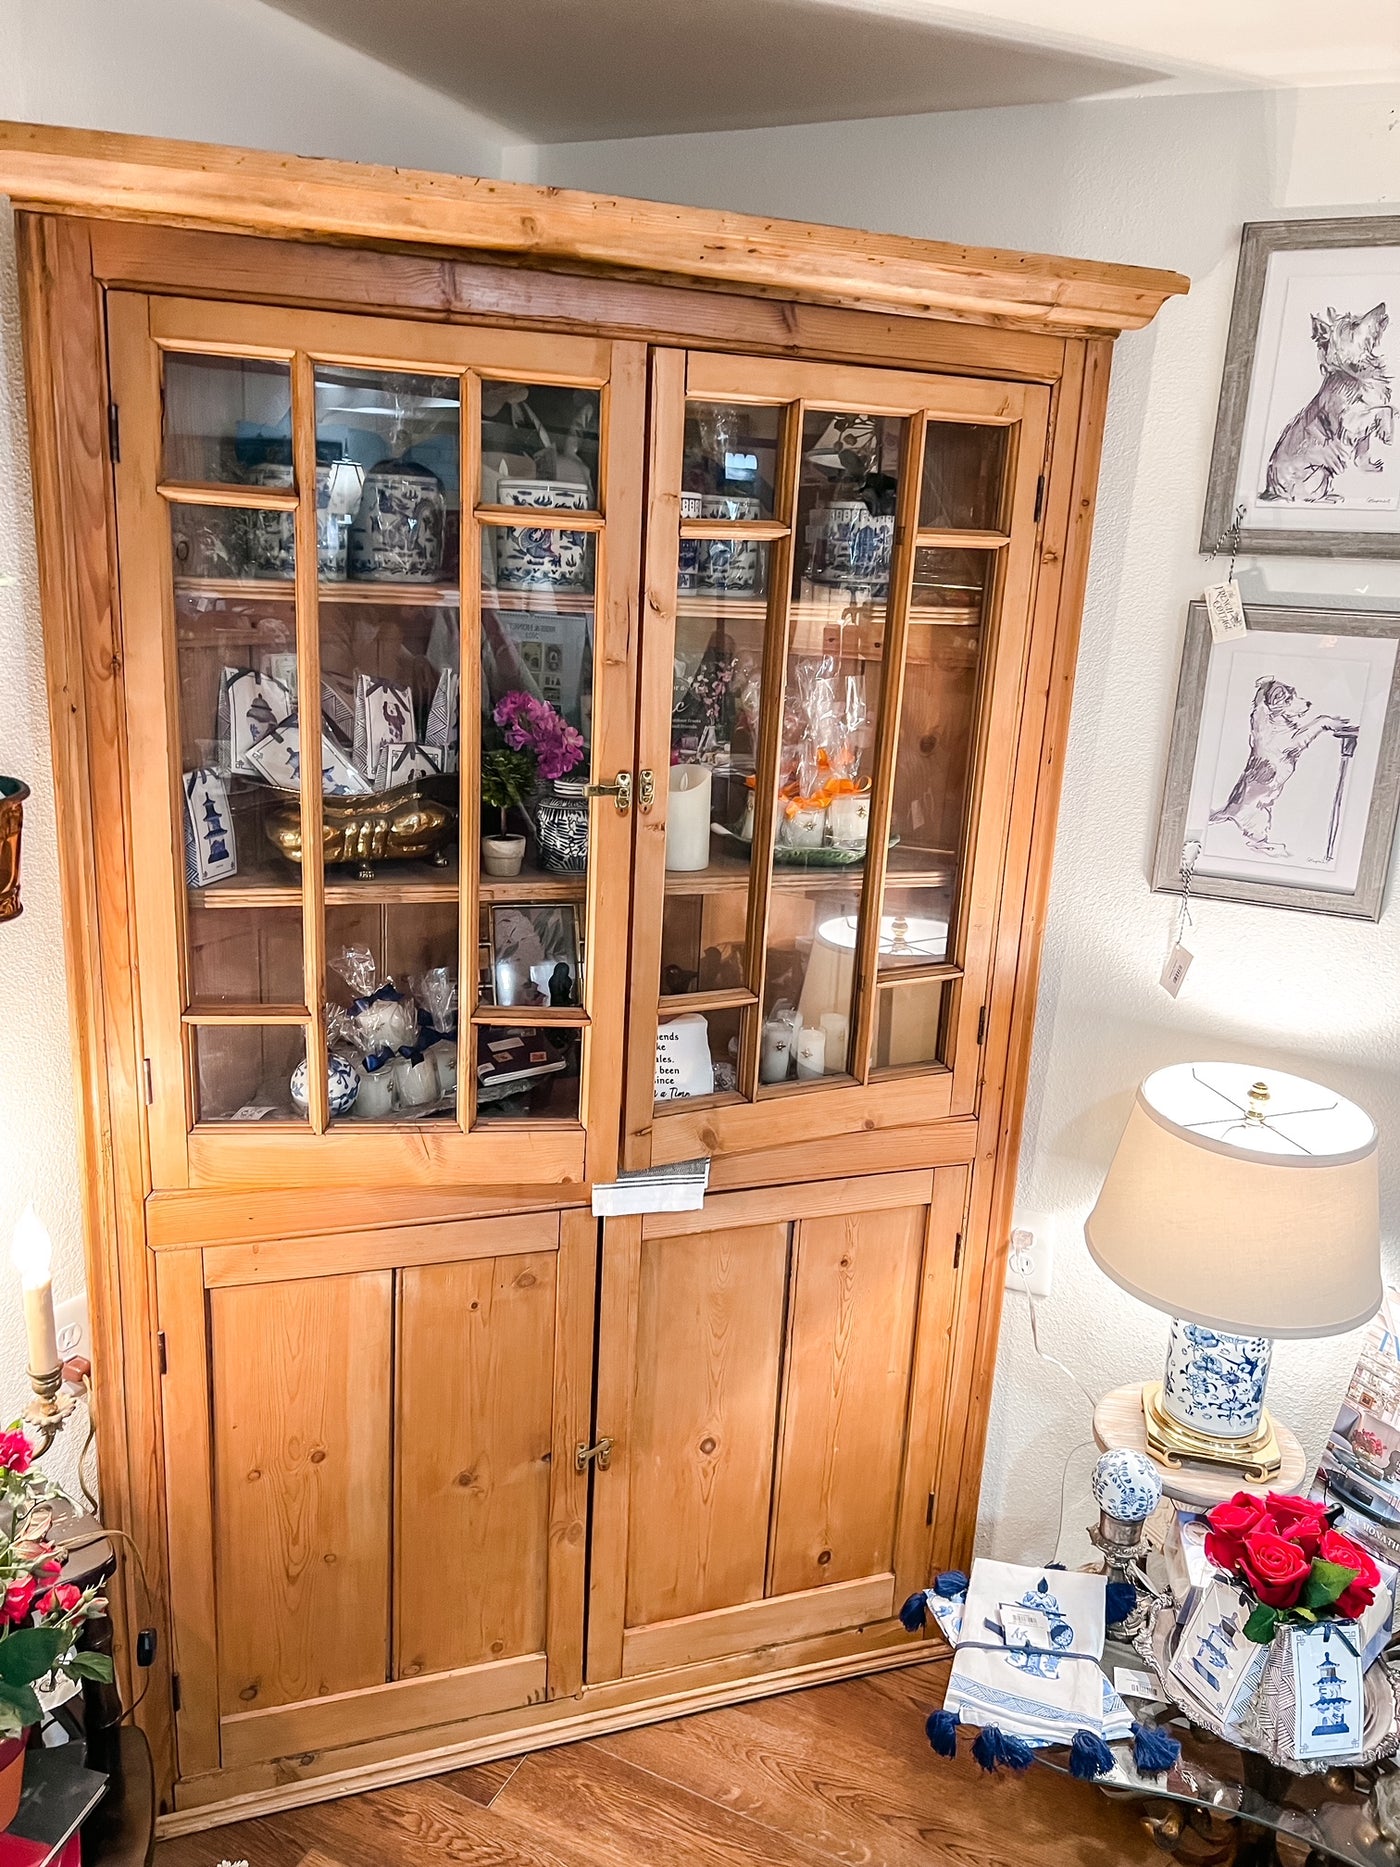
203	185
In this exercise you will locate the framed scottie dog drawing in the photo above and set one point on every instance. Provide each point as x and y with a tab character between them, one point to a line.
1307	445
1283	778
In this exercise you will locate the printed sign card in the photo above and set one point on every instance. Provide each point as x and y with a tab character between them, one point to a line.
1329	1702
1214	1655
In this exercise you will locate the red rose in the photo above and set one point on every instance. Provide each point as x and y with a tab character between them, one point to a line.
1300	1519
1229	1524
1358	1595
17	1599
60	1600
49	1570
16	1453
1274	1568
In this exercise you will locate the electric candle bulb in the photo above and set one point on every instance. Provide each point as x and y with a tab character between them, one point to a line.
31	1253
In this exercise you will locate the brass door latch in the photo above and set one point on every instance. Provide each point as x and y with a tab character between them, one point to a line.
599	1454
621	789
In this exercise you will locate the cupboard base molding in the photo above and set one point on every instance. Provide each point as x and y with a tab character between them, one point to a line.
238	1795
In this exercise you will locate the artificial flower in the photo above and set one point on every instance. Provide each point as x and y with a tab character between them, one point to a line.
1274	1568
1302	1520
1228	1524
16	1453
18	1599
60	1600
532	725
1359	1593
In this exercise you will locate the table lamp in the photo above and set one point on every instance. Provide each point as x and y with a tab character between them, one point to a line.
1244	1203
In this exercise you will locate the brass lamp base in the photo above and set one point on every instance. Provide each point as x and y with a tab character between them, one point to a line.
1257	1457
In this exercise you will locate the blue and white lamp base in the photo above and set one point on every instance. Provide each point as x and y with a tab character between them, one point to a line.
1209	1404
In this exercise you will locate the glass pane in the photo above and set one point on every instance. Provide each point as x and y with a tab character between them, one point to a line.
697	1054
239	785
846	496
730	462
933	761
243	955
226	418
249	1073
537	704
527	1074
909	1025
715	694
914	926
388	476
392	986
962	479
539	446
810	978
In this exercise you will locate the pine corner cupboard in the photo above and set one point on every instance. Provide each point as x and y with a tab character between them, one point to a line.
771	540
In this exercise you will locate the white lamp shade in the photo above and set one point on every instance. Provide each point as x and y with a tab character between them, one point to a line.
1263	1223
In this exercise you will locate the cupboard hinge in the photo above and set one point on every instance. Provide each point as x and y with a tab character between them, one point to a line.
175	1698
982	1025
1039	500
599	1454
114	432
160	1349
932	1506
148	1081
957	1251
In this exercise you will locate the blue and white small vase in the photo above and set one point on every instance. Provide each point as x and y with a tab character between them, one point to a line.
561	827
1214	1383
342	1085
1127	1485
399	529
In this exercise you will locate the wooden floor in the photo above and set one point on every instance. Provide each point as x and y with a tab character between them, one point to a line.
841	1773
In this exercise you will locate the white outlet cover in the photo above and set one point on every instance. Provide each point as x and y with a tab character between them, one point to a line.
74	1332
1030	1263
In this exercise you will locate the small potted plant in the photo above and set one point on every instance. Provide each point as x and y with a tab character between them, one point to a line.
540	734
40	1616
507	782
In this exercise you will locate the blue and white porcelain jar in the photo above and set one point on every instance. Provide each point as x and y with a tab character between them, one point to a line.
561	827
1127	1485
399	529
1214	1383
342	1085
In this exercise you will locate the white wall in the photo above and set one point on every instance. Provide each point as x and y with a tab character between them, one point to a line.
230	71
1163	182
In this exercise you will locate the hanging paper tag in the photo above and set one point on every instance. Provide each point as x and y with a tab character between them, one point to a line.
1328	1698
1175	971
1225	610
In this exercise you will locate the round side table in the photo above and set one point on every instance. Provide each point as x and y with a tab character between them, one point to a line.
1118	1421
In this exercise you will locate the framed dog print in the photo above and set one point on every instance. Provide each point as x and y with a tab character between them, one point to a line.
1306	450
1283	778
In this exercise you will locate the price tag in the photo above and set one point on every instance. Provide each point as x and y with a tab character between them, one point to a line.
1128	1682
1225	610
1175	971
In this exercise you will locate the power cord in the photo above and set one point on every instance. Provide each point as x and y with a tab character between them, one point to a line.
1053	1361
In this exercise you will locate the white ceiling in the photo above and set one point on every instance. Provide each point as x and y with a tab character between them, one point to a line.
557	71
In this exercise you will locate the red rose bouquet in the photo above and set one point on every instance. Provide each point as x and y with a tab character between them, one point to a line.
1285	1554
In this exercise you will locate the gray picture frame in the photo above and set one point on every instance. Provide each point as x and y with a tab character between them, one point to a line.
1365	902
1259	241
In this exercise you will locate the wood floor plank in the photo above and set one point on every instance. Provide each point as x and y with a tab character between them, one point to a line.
422	1825
598	1810
483	1782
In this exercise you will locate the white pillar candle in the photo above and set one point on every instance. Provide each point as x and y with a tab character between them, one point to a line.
688	818
775	1053
849	820
811	1053
835	1028
31	1252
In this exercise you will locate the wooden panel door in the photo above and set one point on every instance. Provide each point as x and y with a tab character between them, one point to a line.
771	1375
840	576
376	1519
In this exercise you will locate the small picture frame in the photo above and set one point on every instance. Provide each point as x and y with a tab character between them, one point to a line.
535	954
1283	778
1307	453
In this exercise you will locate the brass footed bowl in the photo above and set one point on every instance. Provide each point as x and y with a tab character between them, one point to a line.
402	825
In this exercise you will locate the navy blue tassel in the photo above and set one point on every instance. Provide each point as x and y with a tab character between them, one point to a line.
950	1584
1016	1753
1119	1600
1154	1750
986	1749
911	1615
942	1730
1089	1757
993	1746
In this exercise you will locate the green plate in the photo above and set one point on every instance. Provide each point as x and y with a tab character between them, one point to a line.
788	858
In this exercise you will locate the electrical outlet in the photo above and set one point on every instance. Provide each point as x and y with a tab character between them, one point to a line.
1030	1263
74	1333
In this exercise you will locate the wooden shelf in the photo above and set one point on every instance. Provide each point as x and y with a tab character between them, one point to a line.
395	884
905	868
391	595
824	611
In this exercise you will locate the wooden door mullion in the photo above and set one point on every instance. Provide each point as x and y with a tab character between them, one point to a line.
468	746
308	637
769	751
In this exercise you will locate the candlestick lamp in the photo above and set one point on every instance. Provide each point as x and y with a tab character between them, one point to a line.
31	1253
1243	1202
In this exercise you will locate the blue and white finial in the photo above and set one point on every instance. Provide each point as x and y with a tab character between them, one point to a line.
1127	1485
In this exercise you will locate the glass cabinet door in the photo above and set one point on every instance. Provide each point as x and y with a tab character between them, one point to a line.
368	944
841	564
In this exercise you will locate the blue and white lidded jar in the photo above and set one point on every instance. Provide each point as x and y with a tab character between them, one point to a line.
561	827
1214	1383
399	529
